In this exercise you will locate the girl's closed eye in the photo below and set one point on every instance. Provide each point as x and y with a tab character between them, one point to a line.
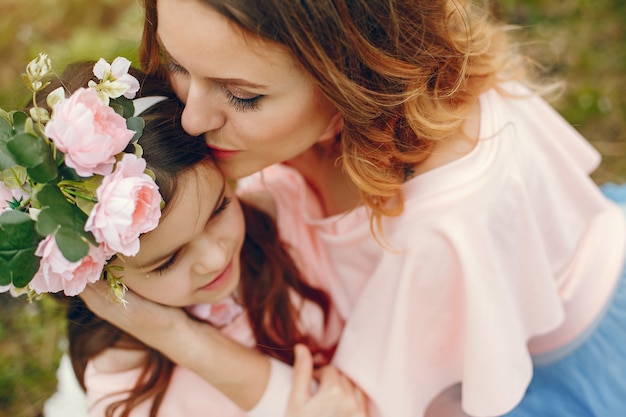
169	263
221	207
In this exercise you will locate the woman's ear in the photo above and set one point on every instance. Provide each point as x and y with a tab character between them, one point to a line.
332	130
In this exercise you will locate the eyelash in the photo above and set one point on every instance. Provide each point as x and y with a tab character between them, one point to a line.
167	264
239	104
171	66
219	210
223	206
242	104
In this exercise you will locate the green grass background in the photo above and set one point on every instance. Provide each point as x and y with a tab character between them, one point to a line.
582	42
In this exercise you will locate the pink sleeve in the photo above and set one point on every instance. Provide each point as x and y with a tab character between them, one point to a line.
274	400
187	395
105	388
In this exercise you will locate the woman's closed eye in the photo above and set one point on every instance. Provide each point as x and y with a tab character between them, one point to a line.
241	100
173	67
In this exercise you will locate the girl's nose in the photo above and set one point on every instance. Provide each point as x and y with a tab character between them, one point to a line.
210	257
202	112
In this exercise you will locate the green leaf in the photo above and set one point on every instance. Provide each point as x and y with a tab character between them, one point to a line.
137	124
18	243
71	244
13	177
35	154
126	105
5	116
6	130
117	108
19	120
86	199
68	173
66	221
6	133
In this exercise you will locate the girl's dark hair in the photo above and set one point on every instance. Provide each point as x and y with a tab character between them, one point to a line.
268	272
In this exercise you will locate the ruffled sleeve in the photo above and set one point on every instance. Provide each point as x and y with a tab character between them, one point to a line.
505	253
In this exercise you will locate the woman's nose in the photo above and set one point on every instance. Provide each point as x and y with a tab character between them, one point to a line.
202	112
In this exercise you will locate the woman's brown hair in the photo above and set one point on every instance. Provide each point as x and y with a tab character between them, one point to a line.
268	274
403	73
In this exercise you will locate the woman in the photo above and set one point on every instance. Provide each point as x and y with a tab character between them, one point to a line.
451	205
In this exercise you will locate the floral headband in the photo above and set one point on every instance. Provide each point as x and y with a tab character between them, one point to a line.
73	193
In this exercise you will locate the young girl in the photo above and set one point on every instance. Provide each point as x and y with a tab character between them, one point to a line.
448	205
210	255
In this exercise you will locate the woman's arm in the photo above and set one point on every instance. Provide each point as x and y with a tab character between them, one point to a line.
241	373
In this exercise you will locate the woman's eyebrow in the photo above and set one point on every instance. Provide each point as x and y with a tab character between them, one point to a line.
228	81
238	82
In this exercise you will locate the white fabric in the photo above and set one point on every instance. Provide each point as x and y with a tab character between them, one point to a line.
274	403
141	104
69	399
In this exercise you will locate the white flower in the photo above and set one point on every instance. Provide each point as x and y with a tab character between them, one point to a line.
36	70
15	292
33	213
39	114
115	79
55	97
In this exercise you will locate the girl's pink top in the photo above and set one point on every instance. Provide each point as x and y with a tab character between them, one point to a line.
506	253
187	394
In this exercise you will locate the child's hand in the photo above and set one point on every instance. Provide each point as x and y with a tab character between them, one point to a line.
336	395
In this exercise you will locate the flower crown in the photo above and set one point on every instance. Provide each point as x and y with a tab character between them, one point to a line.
74	190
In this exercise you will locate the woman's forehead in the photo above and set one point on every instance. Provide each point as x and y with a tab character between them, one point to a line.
194	35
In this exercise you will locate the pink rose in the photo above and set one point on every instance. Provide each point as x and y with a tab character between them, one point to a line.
7	195
128	205
58	274
89	132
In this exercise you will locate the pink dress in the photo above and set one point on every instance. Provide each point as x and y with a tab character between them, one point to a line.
508	253
188	395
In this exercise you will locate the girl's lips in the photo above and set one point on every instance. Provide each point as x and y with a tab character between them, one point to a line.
221	153
220	280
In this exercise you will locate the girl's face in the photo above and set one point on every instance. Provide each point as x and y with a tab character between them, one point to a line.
249	98
193	255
